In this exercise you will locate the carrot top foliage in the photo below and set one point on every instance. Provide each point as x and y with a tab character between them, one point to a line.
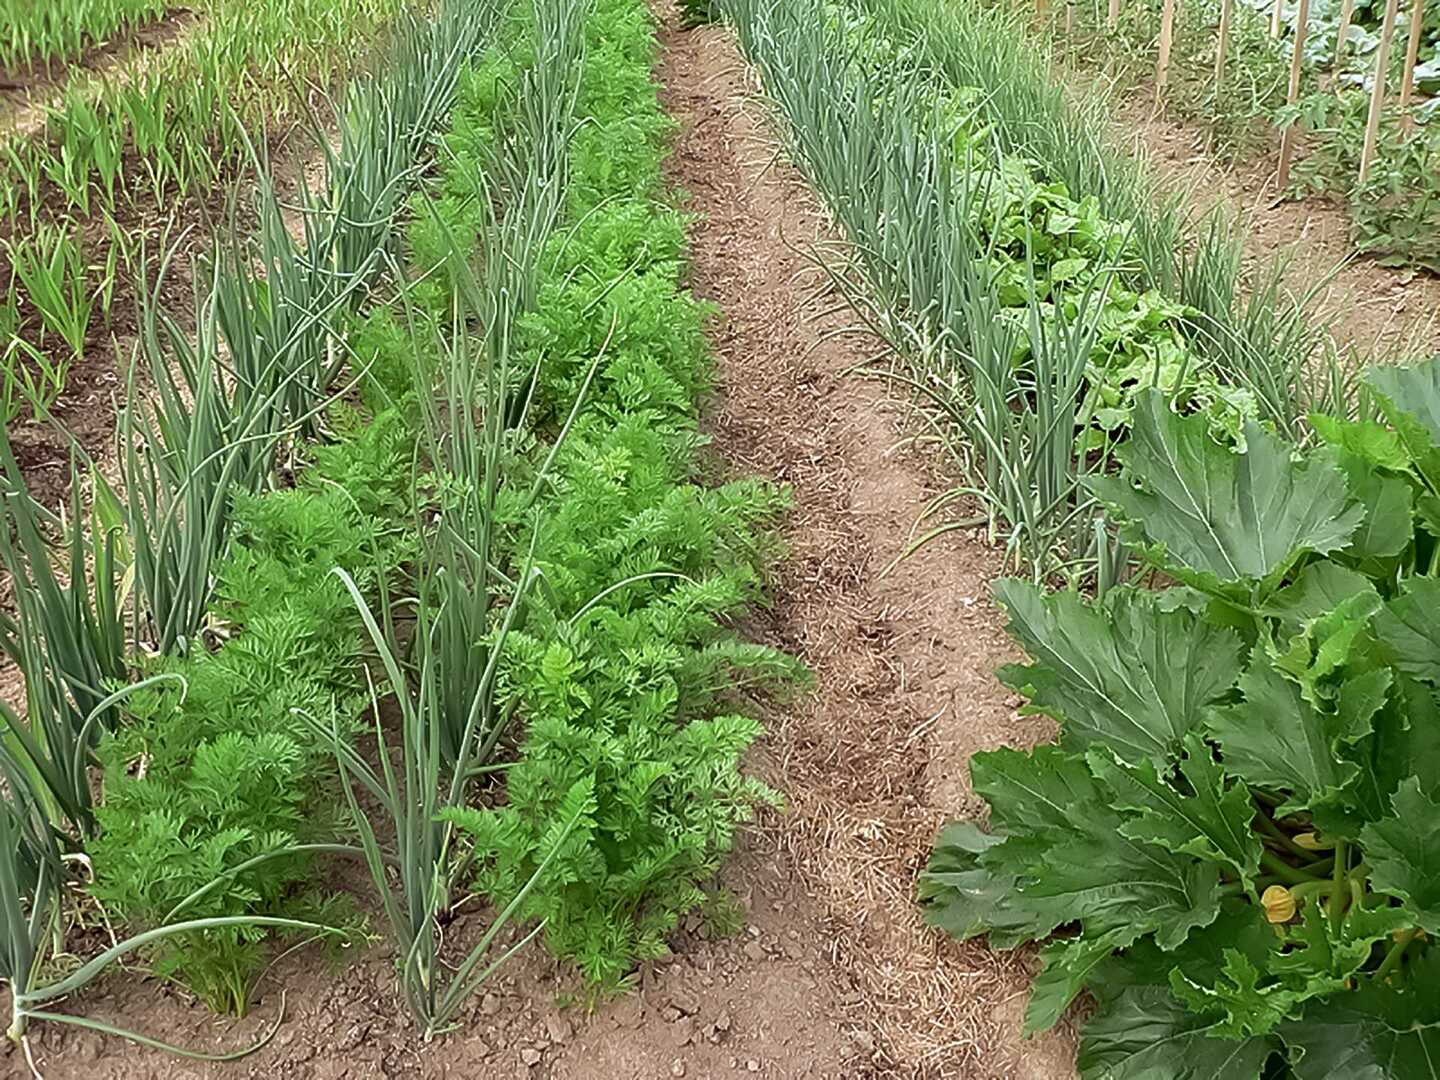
625	670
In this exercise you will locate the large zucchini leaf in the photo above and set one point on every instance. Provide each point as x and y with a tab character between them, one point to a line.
1218	517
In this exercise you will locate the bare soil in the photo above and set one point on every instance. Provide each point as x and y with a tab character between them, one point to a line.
834	976
876	759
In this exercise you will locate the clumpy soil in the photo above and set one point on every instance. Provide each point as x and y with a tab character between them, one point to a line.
833	975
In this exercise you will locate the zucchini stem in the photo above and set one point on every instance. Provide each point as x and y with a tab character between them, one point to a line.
1397	951
1268	826
1340	892
1284	871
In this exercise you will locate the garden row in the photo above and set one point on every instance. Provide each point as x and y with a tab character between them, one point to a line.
1373	148
1231	846
40	34
423	547
115	156
1032	276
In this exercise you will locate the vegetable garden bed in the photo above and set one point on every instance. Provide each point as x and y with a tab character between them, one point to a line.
416	647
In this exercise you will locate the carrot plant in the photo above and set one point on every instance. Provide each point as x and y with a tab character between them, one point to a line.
525	444
1232	845
67	638
231	767
32	876
617	676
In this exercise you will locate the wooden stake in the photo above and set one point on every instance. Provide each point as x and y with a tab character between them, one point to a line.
1167	38
1112	17
1412	52
1287	139
1069	18
1275	18
1377	93
1347	12
1223	44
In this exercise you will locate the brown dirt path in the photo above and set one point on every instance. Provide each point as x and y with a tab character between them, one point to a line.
875	760
833	978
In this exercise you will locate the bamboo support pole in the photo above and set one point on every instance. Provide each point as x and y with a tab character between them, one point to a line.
1222	45
1276	13
1412	53
1347	13
1112	17
1377	93
1287	138
1167	39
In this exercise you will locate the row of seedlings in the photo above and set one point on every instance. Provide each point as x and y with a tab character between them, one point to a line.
619	668
85	180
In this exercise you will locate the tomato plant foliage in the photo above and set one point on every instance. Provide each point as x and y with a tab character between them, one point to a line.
1234	843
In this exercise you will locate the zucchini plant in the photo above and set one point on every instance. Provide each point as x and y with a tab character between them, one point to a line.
1233	845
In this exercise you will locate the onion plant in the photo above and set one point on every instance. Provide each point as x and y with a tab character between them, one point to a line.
30	873
203	433
1006	387
51	269
388	119
276	302
221	398
217	402
29	376
415	802
278	296
185	114
67	635
476	396
1262	338
451	719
